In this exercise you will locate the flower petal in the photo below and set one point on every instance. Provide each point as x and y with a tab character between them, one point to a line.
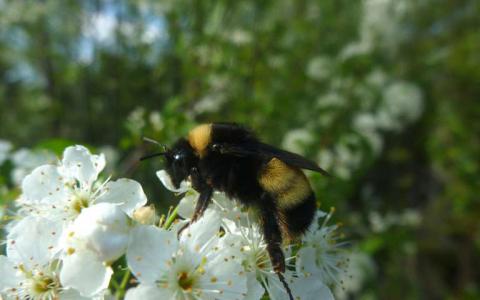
103	229
198	236
230	278
79	164
71	294
33	240
306	261
187	204
167	182
311	288
7	274
303	288
43	183
85	273
148	292
149	250
126	192
255	290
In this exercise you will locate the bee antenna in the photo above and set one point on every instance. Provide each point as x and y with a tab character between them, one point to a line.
149	140
285	284
152	155
146	139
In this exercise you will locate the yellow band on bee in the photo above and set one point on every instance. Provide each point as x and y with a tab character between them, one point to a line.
199	138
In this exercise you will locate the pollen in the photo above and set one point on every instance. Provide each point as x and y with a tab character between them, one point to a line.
70	251
185	281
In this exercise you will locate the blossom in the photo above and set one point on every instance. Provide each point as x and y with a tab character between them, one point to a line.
228	209
193	268
62	192
96	238
321	254
93	218
32	271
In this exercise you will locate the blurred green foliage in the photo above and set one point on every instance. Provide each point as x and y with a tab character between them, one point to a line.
382	93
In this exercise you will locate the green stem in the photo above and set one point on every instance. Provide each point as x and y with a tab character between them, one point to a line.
171	218
123	285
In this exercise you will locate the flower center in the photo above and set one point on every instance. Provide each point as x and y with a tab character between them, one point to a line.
185	281
43	286
262	259
79	202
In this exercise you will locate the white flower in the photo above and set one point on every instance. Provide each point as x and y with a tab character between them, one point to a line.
60	193
322	255
193	268
96	238
249	246
225	207
30	269
247	242
360	268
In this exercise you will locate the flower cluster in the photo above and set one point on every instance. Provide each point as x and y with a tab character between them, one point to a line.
71	227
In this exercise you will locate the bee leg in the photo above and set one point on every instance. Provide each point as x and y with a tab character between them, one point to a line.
273	238
203	199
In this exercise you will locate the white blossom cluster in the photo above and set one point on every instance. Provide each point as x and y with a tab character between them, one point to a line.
70	228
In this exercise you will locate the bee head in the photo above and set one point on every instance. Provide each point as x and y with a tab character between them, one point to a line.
179	161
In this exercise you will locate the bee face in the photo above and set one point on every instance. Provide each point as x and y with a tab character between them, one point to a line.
179	160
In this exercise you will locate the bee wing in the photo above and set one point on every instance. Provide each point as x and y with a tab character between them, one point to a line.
268	152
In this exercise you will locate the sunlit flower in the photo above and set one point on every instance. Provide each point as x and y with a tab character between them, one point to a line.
31	268
96	238
193	268
62	192
322	254
227	208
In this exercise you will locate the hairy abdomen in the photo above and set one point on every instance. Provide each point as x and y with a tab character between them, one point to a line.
294	198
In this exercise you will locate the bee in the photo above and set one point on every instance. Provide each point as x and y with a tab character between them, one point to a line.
229	158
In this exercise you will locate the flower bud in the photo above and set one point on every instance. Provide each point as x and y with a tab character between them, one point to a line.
145	215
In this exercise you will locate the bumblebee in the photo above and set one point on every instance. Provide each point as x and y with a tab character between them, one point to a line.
229	158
